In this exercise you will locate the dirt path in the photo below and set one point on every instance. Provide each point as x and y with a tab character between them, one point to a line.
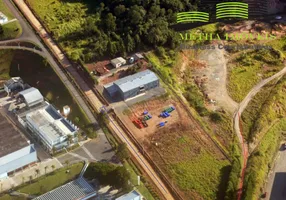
237	115
216	72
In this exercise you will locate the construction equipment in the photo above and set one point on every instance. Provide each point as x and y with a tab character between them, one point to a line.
147	117
144	123
169	110
164	114
137	123
161	124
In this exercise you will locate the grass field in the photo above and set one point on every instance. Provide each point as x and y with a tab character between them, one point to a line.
48	182
249	68
6	57
35	71
11	30
267	107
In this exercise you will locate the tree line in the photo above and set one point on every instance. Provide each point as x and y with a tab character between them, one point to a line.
116	27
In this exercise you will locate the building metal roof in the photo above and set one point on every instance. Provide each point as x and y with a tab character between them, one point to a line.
13	80
139	55
50	122
11	139
77	189
32	96
133	195
136	80
118	60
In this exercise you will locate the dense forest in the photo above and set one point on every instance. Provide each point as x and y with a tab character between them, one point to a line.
116	27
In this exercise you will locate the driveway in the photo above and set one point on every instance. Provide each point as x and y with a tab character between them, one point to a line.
276	186
95	150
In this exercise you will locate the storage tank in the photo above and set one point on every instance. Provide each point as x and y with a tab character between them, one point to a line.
66	110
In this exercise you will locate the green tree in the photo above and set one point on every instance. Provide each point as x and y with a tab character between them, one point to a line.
30	178
37	172
118	10
136	14
1	30
130	44
109	22
46	167
122	152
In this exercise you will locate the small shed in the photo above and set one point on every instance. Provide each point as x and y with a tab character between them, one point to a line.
14	84
138	56
3	18
31	96
118	62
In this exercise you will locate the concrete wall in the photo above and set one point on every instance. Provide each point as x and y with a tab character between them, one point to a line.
18	159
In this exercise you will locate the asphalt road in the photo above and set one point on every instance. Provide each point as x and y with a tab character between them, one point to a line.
276	186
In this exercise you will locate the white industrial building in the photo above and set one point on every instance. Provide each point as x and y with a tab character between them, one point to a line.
3	18
31	96
16	152
44	120
118	62
49	125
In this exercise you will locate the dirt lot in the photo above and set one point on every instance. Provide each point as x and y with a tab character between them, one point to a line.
181	150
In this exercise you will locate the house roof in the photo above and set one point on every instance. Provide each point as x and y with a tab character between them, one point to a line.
77	189
118	60
13	80
133	195
136	80
32	96
51	123
11	139
139	55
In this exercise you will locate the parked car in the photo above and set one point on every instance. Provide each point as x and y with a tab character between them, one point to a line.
278	17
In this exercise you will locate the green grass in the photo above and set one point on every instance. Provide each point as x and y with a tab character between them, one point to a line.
6	57
11	30
134	180
247	71
266	107
200	174
260	161
48	182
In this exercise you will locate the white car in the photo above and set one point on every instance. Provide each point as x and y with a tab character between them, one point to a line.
278	17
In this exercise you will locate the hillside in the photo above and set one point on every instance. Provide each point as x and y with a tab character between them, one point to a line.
92	29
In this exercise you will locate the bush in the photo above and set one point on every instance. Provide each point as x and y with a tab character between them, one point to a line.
215	117
108	174
122	152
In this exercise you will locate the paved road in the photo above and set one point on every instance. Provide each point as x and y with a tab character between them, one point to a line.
240	110
91	96
276	186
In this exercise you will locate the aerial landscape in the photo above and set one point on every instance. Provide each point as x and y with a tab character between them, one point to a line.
142	99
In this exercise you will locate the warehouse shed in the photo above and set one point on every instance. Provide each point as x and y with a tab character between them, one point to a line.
78	189
31	96
133	85
118	62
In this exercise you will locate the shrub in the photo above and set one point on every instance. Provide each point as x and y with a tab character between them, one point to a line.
215	117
